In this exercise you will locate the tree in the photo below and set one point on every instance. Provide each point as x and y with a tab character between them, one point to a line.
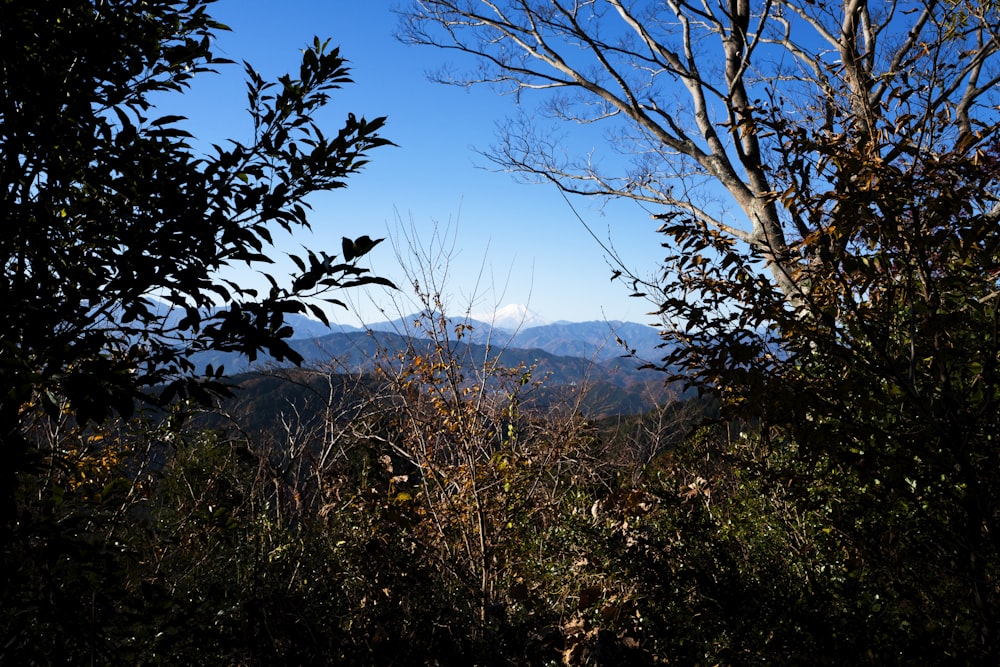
109	210
704	98
879	396
844	304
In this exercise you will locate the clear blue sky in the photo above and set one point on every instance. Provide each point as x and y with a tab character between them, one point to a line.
435	176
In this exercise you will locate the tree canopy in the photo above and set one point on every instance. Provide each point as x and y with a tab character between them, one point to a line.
826	178
117	225
706	101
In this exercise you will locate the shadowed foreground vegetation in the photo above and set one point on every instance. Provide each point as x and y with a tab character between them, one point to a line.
421	516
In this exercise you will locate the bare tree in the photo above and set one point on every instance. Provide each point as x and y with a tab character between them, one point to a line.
852	147
707	97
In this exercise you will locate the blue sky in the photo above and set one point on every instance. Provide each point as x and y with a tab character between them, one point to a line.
522	239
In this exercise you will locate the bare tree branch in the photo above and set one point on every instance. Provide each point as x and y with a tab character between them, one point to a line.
716	92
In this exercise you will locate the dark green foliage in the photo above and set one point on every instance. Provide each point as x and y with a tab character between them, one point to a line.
876	386
107	207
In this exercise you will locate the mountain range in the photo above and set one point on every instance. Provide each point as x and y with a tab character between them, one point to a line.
512	327
513	317
588	363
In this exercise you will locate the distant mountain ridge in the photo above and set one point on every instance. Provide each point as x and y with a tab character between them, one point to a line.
513	317
583	362
586	362
599	387
596	340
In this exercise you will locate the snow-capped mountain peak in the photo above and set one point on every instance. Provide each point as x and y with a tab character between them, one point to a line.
513	316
